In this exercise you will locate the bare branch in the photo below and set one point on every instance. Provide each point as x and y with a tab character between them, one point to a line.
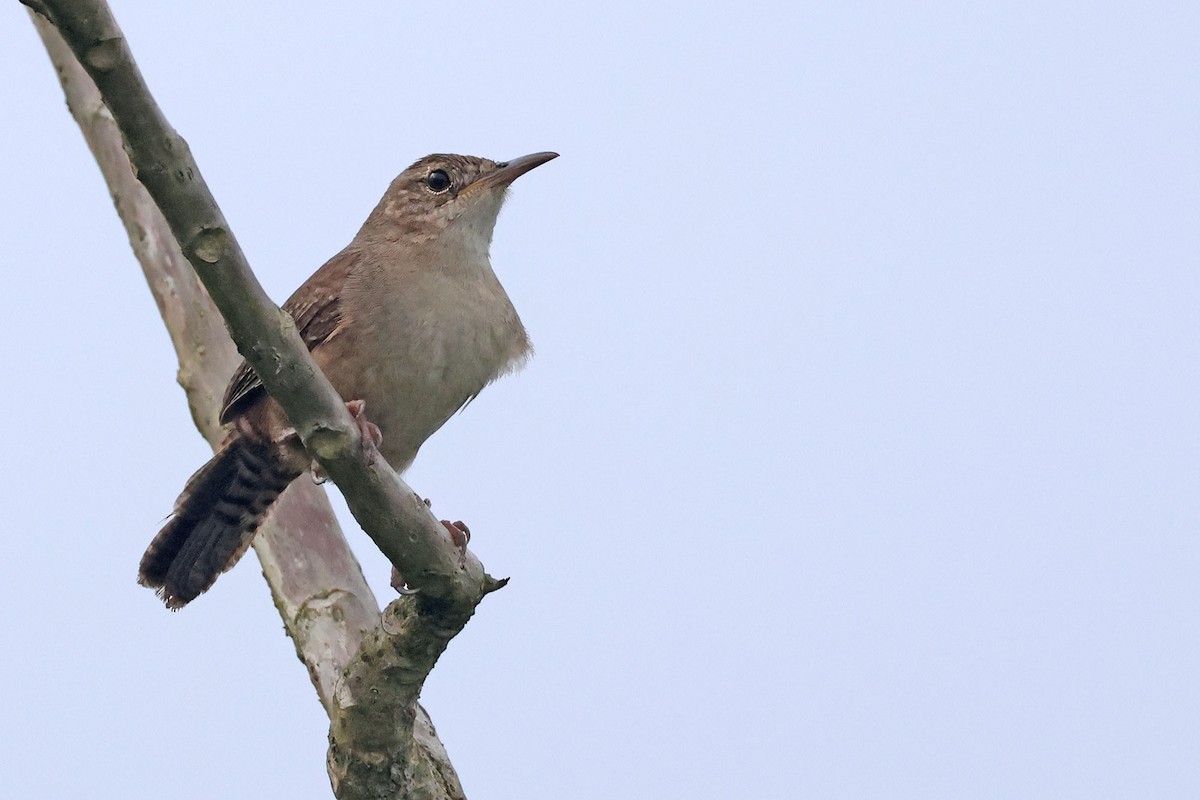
301	547
367	675
398	522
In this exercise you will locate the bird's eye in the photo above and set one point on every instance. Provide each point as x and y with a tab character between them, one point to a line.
438	181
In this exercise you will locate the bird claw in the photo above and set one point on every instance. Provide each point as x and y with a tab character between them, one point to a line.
400	586
372	437
460	534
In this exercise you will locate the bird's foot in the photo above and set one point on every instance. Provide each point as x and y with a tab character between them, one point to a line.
371	435
399	585
460	534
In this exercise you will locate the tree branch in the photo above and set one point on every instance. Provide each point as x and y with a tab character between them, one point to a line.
391	514
368	675
301	547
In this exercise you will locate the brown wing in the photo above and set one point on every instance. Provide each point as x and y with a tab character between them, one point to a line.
316	308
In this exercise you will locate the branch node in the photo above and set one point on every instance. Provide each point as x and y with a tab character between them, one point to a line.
328	442
209	244
104	55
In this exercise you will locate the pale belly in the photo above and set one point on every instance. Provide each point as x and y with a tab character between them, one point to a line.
414	382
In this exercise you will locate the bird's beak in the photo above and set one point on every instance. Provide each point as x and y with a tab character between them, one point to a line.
508	171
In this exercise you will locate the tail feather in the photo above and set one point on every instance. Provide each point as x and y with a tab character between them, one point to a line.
216	517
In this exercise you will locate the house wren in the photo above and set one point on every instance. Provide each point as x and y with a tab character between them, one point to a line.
408	319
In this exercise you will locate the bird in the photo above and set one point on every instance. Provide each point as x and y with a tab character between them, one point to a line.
409	323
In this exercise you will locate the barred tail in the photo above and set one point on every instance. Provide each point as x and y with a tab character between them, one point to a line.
215	519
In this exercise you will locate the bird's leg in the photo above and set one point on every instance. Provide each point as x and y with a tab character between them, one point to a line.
371	435
460	534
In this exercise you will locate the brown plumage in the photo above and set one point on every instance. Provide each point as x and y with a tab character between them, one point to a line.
225	501
409	318
215	519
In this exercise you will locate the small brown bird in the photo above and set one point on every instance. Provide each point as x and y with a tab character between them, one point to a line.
408	319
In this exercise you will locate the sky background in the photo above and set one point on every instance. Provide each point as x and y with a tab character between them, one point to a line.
860	456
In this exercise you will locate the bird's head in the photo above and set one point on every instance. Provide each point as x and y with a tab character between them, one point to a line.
443	192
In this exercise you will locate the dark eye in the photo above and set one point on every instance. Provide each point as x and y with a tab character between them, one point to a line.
438	181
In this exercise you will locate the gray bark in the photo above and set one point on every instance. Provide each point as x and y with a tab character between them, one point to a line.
368	670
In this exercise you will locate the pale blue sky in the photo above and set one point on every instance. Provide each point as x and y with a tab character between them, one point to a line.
859	458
